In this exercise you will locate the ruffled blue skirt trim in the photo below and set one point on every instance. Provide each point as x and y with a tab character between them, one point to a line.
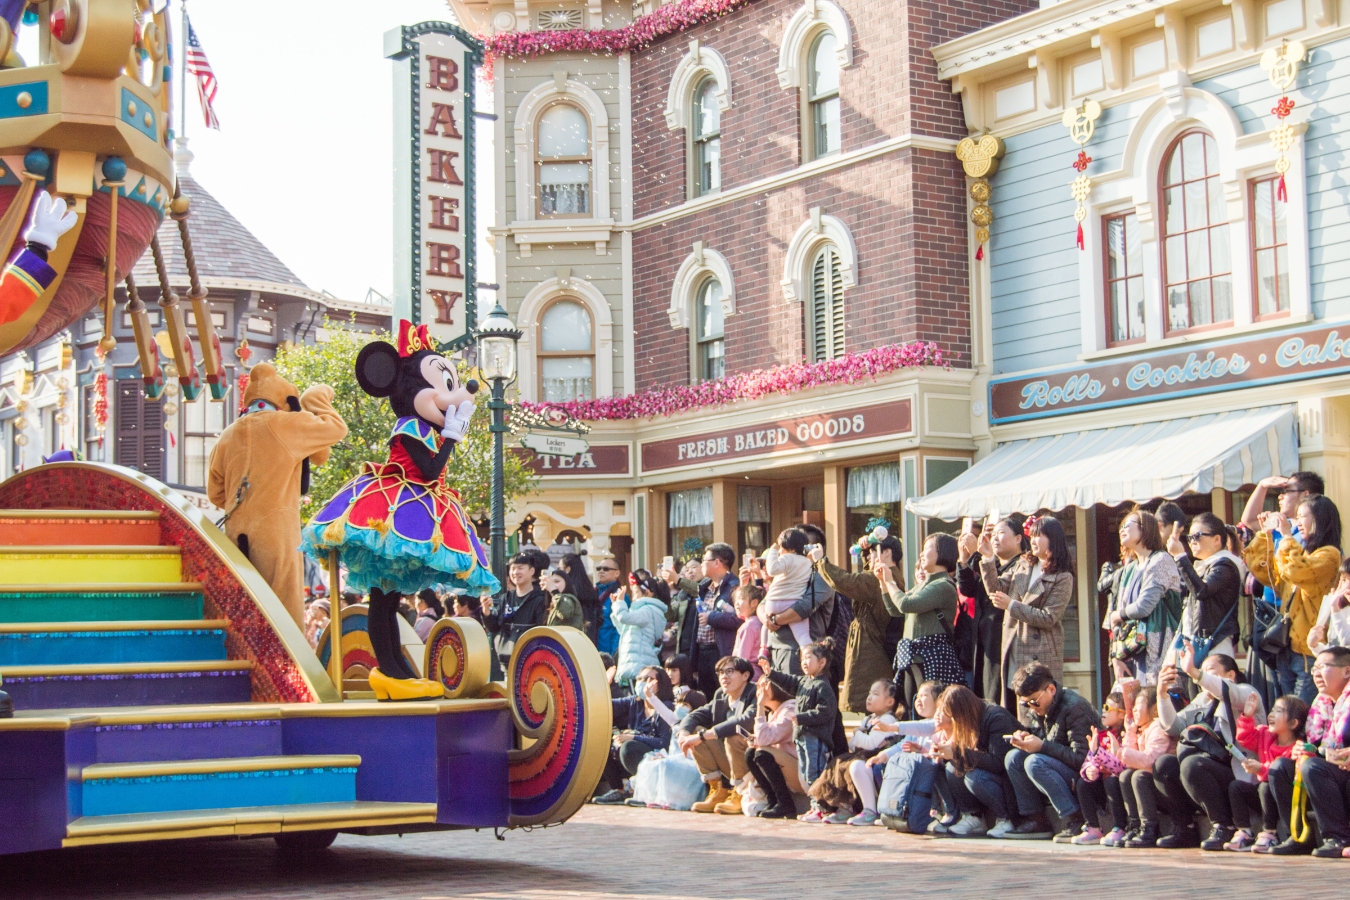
393	563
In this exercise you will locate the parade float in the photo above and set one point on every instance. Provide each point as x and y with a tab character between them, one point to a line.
160	688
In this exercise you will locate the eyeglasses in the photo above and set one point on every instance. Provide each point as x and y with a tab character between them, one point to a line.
1195	538
606	568
1035	699
1111	709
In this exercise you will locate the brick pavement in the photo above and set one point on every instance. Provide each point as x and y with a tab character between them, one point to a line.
628	854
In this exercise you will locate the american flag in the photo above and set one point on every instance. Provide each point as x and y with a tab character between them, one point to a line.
200	67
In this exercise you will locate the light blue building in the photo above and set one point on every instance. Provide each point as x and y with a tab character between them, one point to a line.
1191	341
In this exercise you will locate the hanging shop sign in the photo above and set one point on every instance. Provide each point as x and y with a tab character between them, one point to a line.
1195	369
770	438
554	444
434	265
608	460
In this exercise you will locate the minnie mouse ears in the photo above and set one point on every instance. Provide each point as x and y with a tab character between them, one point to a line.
377	368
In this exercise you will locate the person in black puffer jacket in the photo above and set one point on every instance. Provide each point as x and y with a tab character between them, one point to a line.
1044	763
1214	581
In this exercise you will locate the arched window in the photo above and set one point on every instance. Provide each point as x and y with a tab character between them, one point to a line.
1197	269
564	162
566	353
822	97
825	316
711	344
706	134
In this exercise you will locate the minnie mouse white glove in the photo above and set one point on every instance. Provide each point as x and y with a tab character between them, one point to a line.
457	425
50	221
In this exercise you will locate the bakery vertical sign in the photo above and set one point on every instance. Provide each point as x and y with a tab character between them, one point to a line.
434	273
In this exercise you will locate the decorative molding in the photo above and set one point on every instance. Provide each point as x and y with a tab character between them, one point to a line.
559	86
813	169
697	266
817	230
802	28
602	323
700	61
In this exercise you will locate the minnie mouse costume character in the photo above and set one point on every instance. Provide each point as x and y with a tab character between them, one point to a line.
398	526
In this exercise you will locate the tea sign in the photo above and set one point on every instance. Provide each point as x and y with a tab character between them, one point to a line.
555	445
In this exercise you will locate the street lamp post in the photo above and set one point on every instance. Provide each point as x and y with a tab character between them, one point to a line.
497	338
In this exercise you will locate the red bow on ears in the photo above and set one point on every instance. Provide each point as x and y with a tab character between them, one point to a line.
1029	524
411	340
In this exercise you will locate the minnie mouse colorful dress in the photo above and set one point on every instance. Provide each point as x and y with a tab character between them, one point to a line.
399	533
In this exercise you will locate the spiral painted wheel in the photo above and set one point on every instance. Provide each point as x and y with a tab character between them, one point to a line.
561	704
458	655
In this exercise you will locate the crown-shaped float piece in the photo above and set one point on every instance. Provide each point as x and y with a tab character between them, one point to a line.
411	340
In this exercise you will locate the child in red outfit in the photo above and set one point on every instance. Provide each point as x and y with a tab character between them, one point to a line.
1288	718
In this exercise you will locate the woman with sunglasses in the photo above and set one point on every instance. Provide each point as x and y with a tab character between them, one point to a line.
1215	580
1152	598
639	621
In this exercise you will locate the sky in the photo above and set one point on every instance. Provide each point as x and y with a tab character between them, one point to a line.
305	145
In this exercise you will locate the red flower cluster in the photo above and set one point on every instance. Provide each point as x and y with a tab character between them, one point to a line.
785	379
668	19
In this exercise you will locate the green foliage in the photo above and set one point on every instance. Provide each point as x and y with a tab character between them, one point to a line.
370	421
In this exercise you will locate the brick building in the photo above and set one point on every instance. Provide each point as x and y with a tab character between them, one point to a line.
782	187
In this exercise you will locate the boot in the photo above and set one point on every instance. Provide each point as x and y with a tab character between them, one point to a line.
717	793
779	794
730	806
1147	837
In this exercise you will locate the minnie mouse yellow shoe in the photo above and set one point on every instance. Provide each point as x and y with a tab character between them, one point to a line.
387	688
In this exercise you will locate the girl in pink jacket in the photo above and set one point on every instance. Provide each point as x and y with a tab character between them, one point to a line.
1144	741
746	599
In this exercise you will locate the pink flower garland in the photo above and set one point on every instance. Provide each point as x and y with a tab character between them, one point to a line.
785	379
668	19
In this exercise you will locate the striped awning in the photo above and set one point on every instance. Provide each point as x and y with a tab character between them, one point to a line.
1129	462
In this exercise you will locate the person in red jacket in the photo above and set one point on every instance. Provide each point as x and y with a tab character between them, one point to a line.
1288	719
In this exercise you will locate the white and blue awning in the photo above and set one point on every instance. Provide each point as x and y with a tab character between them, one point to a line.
1129	462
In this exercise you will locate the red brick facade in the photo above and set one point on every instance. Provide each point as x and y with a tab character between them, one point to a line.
906	209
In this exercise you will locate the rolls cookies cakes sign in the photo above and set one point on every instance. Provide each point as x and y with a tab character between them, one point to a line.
781	436
1208	368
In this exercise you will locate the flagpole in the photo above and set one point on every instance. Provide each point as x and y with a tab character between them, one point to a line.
182	71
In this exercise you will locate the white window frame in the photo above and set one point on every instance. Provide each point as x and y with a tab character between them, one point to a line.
602	323
698	63
526	129
697	266
801	254
802	29
1242	157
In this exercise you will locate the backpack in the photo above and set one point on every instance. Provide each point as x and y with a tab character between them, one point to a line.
906	795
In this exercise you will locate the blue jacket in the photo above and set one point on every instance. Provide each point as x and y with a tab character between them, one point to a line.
608	641
630	714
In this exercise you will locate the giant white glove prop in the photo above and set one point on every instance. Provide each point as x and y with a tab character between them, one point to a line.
50	221
457	425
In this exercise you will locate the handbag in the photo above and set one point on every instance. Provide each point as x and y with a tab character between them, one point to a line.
1202	645
1273	626
1128	639
1203	739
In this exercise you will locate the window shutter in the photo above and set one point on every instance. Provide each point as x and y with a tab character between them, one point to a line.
819	306
139	429
836	306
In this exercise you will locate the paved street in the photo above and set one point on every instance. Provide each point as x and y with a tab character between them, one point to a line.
629	854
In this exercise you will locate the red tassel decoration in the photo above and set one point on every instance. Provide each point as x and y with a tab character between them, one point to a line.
979	252
1280	193
173	441
1080	235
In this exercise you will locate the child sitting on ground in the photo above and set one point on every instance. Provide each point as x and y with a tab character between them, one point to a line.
1124	774
903	776
879	729
817	707
790	572
1288	718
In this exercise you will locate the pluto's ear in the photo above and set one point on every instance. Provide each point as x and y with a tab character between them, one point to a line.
377	368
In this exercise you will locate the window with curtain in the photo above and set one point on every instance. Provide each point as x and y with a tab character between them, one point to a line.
754	529
1197	269
1124	279
564	162
825	316
203	421
1270	244
690	522
566	353
711	343
707	137
822	96
872	493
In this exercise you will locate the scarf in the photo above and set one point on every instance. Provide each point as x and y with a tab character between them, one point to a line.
1202	566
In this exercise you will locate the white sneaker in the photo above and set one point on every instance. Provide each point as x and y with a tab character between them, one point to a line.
1001	828
970	825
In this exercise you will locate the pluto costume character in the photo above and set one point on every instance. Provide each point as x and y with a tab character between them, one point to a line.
260	467
398	526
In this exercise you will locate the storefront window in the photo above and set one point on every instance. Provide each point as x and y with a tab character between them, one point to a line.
203	421
873	493
753	528
690	522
